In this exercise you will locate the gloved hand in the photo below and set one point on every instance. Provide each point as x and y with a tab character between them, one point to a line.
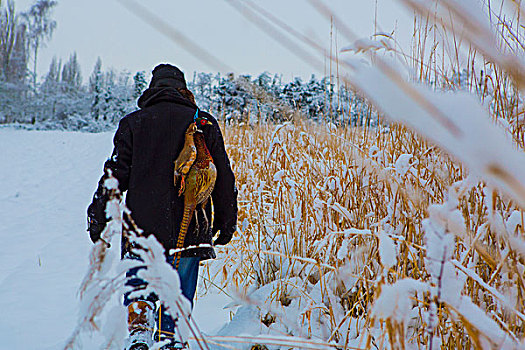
95	229
225	235
222	239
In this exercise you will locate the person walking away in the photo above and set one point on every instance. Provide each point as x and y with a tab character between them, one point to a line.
146	144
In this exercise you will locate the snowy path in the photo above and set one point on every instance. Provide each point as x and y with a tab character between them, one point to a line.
46	183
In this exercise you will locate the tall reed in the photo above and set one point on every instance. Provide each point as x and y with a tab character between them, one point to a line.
376	237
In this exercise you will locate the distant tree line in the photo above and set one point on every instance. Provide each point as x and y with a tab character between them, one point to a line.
268	98
61	100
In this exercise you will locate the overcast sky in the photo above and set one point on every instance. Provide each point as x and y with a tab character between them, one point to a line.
108	29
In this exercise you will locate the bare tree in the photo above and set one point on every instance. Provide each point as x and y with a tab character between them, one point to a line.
8	36
17	69
40	27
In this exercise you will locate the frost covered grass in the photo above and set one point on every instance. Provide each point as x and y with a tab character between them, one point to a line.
369	237
404	235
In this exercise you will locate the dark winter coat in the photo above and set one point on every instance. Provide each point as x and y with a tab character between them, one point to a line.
145	146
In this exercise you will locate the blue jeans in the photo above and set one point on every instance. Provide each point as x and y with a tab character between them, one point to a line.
188	273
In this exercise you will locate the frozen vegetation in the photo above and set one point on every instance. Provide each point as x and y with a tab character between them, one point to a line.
391	220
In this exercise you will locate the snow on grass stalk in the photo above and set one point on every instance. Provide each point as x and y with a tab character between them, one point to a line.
454	121
104	283
104	278
317	222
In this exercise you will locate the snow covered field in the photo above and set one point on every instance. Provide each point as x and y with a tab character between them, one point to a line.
323	290
46	183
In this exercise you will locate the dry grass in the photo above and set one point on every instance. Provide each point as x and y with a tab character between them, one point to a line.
314	200
302	185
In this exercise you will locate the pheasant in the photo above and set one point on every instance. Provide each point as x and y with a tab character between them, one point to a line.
198	181
185	159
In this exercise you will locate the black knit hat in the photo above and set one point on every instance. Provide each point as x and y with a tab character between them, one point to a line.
167	75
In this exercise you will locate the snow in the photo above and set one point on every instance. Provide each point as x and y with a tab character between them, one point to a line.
387	250
373	152
403	163
396	299
47	180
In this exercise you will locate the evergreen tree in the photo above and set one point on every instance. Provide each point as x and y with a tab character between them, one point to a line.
202	88
52	77
18	65
110	78
139	84
264	80
71	74
118	96
50	90
96	77
96	88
